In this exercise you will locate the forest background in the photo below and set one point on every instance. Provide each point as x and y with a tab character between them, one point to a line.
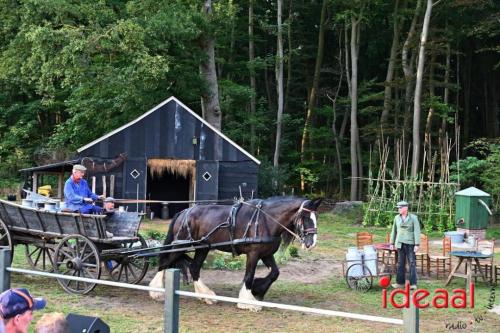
330	95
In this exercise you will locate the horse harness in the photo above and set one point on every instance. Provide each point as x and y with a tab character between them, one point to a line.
231	220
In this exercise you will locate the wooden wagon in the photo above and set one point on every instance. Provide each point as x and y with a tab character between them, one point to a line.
75	244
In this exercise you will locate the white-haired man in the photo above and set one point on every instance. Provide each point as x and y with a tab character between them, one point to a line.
77	194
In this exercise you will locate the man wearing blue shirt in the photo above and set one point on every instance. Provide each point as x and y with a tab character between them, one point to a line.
77	194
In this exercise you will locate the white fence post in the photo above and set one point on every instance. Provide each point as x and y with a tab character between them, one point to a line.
411	318
171	315
4	263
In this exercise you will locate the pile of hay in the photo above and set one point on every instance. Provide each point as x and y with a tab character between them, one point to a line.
184	168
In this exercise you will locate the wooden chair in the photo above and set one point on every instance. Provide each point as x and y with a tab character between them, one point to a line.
423	254
363	238
486	264
443	262
385	258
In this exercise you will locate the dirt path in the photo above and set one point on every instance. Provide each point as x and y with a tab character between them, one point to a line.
304	271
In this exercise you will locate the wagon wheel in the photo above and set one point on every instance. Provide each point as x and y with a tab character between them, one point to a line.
127	269
76	255
40	258
361	282
5	239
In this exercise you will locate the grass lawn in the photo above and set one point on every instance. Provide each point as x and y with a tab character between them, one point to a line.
133	311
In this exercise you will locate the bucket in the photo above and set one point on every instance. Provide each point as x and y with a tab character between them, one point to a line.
455	236
353	256
471	240
370	258
50	206
27	203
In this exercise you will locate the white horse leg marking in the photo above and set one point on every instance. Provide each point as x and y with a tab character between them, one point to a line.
246	294
201	288
157	282
315	237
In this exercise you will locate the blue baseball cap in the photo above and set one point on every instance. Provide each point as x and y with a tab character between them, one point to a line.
17	301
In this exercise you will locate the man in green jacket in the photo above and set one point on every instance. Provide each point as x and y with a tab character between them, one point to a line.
405	236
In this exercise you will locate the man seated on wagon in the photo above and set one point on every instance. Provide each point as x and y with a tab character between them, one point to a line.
77	194
109	206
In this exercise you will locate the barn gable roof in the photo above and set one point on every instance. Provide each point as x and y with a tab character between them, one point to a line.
194	114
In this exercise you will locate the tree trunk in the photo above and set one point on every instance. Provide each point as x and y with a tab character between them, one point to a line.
251	59
446	97
418	91
430	114
311	102
467	92
210	97
494	110
354	108
345	119
390	68
334	121
289	56
407	64
279	82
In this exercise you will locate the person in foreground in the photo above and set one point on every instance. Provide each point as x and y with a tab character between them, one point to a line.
16	308
77	194
52	323
405	236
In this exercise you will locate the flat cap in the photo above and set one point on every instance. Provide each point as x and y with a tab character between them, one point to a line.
109	199
402	204
79	167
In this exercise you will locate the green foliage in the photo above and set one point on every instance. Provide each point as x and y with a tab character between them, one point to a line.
467	172
293	251
154	234
272	179
227	261
491	175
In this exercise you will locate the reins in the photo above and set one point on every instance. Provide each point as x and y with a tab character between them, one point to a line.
277	222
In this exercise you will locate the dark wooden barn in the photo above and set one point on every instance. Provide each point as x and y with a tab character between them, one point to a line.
169	153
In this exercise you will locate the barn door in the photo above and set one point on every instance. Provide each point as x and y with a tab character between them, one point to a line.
207	180
134	179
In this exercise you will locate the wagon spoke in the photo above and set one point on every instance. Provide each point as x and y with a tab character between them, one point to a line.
88	256
31	254
90	274
136	265
38	256
78	282
120	272
126	273
66	254
114	267
77	248
89	265
132	272
83	250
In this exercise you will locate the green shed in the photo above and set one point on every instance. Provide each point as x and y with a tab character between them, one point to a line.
472	208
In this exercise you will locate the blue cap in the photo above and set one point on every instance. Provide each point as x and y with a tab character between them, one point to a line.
402	204
17	301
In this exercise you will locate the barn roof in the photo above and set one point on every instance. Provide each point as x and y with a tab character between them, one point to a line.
194	114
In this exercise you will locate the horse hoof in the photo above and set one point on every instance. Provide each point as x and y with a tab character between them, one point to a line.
160	297
210	301
253	308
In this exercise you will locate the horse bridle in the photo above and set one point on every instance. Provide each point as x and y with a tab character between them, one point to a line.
299	222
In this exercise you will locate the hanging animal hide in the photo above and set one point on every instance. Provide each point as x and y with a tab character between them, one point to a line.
103	167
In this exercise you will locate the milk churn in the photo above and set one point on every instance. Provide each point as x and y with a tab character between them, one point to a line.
353	256
371	258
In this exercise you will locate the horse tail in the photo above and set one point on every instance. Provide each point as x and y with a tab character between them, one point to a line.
170	233
177	259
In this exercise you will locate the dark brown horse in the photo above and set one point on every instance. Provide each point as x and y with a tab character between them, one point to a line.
257	227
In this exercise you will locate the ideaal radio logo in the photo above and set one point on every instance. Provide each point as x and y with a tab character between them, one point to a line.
459	299
441	298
